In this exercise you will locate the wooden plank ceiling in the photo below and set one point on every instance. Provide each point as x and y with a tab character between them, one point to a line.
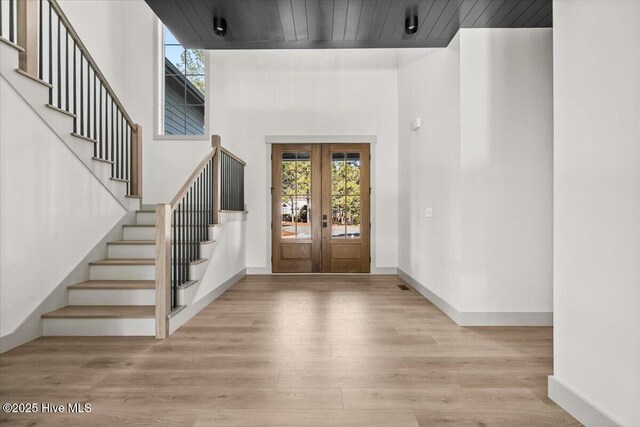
291	24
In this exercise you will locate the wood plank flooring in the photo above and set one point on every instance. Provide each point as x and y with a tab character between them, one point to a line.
329	350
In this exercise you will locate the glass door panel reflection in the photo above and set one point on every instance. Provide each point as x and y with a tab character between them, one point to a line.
345	195
296	195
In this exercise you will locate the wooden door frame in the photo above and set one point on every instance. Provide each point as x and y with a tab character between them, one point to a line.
316	150
276	204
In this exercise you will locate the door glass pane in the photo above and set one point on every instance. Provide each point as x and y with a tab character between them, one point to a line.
352	216
338	173
352	174
296	195
345	194
338	224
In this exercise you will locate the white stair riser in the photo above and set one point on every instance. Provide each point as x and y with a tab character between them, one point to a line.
149	218
186	296
196	271
145	218
98	327
139	233
112	296
149	233
131	251
149	251
122	272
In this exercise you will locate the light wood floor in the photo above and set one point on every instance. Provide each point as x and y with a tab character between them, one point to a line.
296	350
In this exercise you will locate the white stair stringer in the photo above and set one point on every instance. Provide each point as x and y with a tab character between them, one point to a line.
36	95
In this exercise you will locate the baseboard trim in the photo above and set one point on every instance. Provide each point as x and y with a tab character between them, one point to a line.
258	270
480	318
579	407
443	305
182	317
374	270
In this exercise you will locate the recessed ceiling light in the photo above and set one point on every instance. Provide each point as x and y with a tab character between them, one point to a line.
219	26
411	25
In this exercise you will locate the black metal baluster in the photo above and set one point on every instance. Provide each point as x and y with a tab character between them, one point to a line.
111	157
75	88
66	69
121	146
95	107
180	244
105	143
127	152
11	21
81	94
199	232
214	199
59	65
40	38
189	237
50	59
173	264
203	218
117	145
100	134
189	223
88	134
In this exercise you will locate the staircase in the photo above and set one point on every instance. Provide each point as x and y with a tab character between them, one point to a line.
119	297
153	271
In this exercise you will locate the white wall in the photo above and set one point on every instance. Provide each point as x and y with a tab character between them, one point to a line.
597	204
483	161
229	256
429	168
53	210
506	89
308	92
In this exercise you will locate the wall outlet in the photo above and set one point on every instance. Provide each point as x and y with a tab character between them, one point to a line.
428	212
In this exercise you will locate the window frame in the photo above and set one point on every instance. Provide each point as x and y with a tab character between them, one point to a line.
159	83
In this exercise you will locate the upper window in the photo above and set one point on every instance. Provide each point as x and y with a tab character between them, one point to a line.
184	88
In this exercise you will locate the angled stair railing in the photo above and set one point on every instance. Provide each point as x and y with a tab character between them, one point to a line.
52	52
216	184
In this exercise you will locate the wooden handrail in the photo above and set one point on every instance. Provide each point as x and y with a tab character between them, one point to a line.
30	29
85	52
168	213
185	187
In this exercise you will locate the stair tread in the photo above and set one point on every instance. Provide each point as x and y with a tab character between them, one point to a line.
115	284
124	261
102	312
132	242
139	225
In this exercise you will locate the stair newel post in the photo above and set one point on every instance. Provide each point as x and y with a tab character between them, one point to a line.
27	20
136	160
216	144
163	269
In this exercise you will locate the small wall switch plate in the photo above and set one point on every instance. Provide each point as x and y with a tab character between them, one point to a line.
415	124
428	212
